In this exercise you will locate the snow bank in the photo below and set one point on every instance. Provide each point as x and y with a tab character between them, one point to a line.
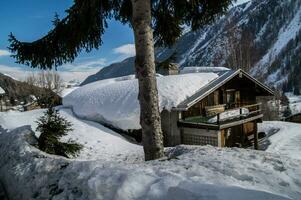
287	141
114	101
189	173
99	142
67	91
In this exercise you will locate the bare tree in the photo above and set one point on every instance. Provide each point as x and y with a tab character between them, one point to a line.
239	47
57	83
46	79
31	79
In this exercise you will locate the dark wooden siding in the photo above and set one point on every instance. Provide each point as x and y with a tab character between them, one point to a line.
241	91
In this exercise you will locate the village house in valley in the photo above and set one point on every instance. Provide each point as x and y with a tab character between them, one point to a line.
199	106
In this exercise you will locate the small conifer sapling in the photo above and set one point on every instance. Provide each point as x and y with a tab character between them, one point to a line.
53	127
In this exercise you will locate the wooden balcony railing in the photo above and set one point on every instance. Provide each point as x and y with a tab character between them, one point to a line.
226	116
238	113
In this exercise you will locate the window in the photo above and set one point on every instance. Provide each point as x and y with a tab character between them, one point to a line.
230	98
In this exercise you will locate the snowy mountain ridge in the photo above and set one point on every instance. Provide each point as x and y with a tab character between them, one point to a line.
260	36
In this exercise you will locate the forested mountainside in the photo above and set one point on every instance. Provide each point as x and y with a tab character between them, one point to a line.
260	36
123	68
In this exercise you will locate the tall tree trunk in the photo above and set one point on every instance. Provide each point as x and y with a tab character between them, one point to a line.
150	120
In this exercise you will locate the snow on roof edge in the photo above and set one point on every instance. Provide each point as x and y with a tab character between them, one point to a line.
203	69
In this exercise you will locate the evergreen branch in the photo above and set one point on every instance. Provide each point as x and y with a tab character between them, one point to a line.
81	29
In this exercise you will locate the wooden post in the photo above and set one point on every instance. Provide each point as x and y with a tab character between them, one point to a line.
1	103
255	137
219	139
242	135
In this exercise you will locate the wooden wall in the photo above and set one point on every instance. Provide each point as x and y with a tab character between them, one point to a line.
238	134
295	118
242	90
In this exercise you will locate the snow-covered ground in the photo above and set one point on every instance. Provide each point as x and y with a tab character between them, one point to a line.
112	168
287	141
190	173
67	91
294	102
99	142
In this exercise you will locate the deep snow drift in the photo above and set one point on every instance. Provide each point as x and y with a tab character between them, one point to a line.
115	101
189	173
99	142
114	168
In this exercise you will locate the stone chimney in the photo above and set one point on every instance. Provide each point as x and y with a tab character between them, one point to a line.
167	69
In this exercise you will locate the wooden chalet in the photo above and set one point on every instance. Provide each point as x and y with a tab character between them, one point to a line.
223	113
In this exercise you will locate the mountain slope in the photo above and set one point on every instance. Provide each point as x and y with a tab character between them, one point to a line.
260	36
123	68
23	92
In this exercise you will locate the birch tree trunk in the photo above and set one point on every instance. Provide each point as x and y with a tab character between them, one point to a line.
150	120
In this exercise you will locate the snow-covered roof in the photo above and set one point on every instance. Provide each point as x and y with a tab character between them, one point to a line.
196	69
224	76
2	91
115	101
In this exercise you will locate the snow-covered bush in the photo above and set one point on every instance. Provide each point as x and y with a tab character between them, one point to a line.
52	127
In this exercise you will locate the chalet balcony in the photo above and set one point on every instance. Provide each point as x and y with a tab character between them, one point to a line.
218	117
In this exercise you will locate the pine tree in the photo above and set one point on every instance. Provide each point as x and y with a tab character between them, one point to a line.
52	127
161	21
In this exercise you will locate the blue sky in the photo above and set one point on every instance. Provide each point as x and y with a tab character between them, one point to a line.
29	20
